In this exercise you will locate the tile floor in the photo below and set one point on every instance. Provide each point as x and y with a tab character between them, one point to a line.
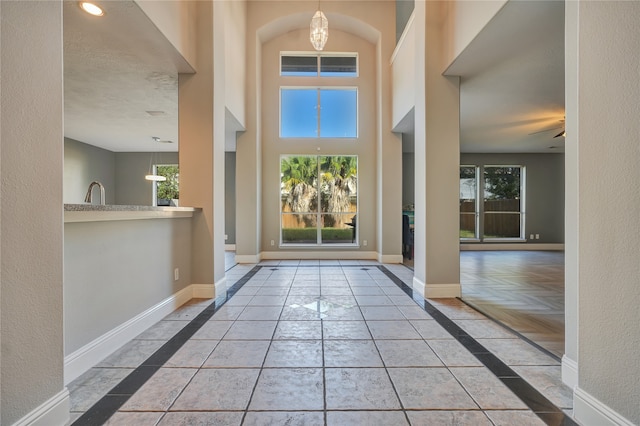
323	343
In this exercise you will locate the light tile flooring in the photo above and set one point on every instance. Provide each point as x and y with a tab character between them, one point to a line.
323	343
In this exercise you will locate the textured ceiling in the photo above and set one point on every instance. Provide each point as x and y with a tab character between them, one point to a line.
117	68
512	81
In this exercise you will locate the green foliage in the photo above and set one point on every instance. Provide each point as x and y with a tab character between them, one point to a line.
169	188
309	234
502	183
298	170
467	172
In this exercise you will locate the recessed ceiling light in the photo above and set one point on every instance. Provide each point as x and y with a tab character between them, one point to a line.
91	8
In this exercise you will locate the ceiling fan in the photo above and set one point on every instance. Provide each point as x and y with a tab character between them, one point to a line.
561	126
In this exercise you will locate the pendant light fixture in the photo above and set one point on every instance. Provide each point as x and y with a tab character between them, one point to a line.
319	30
151	175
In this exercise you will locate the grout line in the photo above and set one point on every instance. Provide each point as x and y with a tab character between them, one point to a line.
109	404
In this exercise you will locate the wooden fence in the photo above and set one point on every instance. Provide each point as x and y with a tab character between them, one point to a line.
504	223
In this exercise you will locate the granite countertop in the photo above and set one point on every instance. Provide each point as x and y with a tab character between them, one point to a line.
121	208
112	212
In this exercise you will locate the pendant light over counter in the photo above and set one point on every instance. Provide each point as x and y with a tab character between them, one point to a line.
319	30
151	175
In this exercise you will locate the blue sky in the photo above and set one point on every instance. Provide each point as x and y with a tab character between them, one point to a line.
338	113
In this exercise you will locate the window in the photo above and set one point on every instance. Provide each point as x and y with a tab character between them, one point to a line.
501	214
468	202
319	200
319	65
503	207
166	192
319	112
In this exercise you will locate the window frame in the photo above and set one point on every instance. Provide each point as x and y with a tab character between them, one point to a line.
521	212
476	212
480	208
319	55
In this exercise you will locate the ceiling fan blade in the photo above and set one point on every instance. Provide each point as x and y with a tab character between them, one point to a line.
545	130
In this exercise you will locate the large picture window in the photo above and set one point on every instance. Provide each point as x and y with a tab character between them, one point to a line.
319	112
319	199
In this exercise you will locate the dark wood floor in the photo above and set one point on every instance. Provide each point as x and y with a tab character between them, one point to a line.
524	290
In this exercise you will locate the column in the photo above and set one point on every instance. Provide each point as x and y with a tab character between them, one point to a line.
437	157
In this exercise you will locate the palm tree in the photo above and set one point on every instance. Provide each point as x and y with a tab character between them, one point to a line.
298	181
339	183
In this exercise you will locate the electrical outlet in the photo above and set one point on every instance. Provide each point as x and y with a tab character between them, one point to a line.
537	236
226	237
364	243
531	237
176	274
273	243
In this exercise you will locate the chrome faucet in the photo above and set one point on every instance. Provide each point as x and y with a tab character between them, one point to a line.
87	198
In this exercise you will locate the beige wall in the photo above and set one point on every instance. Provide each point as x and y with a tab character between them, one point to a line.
403	72
115	270
274	146
84	164
464	20
131	188
176	20
603	124
31	217
121	173
235	37
352	24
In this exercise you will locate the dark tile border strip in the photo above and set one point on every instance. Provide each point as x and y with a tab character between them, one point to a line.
537	402
109	404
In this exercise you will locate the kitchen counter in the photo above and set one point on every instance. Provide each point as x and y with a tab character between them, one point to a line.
111	212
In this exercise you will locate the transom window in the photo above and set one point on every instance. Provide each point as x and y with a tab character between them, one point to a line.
310	64
319	199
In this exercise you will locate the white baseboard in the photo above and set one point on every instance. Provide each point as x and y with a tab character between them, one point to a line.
418	286
569	372
220	287
54	411
512	246
203	291
323	255
248	258
80	361
436	291
588	410
229	247
390	258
